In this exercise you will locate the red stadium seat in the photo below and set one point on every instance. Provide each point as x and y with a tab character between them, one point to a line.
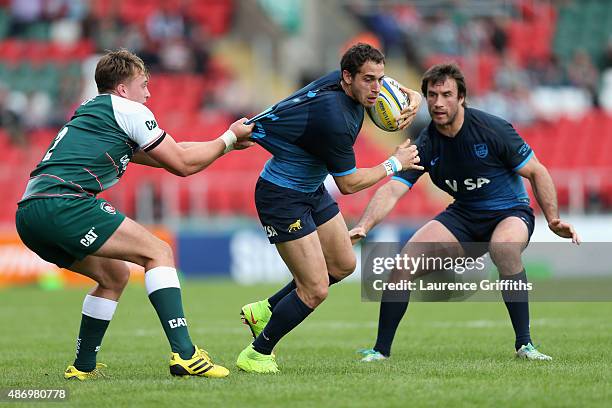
11	50
215	15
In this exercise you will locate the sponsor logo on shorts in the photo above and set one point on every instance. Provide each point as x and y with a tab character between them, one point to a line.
178	322
270	231
297	225
107	207
89	238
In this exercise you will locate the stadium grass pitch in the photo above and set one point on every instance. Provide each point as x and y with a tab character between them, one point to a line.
458	354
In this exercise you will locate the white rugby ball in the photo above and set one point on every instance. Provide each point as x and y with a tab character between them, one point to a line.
390	102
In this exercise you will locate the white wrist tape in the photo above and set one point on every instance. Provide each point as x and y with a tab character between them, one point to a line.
392	165
229	138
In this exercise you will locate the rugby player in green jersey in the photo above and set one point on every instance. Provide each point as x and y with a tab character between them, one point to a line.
61	219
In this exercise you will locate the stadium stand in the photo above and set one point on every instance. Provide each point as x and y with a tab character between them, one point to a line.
44	52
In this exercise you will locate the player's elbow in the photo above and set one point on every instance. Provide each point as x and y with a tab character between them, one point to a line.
180	170
347	189
186	167
536	171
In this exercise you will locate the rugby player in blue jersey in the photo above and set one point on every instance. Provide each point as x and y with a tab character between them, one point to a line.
310	135
479	160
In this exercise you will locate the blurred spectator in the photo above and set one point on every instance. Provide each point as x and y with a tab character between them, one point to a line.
441	35
65	31
70	9
512	105
166	23
199	42
23	14
476	36
606	59
510	76
409	22
107	33
39	110
10	118
150	55
89	25
69	96
376	18
133	38
582	73
175	56
548	72
498	35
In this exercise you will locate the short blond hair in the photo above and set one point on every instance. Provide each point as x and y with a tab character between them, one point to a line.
116	67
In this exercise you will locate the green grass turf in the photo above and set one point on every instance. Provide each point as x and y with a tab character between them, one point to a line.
458	354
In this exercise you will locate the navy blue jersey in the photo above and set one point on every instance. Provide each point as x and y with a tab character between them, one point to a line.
310	135
478	166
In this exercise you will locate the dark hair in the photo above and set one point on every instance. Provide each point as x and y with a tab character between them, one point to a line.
117	66
358	55
441	72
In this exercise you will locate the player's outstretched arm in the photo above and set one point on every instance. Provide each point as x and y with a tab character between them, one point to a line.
378	208
405	157
189	158
546	195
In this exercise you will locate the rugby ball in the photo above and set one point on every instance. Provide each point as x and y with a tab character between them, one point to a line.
390	102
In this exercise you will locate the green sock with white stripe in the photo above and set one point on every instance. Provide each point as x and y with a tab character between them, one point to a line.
164	292
97	314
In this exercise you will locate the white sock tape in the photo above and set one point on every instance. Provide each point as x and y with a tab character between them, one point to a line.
99	308
161	277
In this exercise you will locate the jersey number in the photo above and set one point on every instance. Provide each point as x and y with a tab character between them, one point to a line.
59	137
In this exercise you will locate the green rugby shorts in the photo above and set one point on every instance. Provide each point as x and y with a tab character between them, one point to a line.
63	230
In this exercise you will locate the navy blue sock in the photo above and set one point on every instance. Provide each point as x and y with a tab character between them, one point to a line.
393	306
288	313
517	303
275	298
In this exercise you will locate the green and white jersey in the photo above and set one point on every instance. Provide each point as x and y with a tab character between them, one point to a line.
91	152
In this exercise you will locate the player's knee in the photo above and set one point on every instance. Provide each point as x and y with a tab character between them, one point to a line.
344	268
119	277
122	277
162	253
504	252
350	264
506	258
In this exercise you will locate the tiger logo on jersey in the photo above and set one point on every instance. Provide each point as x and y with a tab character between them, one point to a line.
297	225
106	207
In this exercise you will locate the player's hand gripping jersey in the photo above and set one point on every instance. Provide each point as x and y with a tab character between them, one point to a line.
91	152
310	135
478	166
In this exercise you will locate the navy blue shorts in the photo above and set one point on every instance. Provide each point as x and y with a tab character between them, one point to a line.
287	214
478	225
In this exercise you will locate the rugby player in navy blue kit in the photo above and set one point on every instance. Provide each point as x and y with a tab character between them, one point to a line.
310	135
479	160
